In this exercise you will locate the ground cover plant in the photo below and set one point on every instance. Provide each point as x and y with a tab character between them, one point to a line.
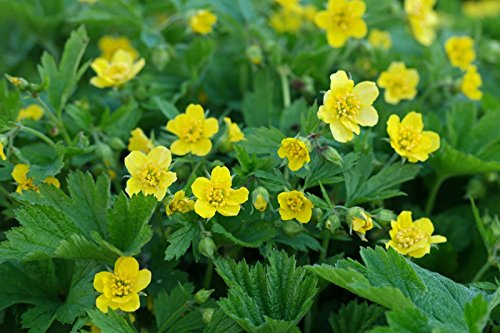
249	166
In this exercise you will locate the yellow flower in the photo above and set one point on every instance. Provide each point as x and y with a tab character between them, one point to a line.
234	132
216	195
309	12
409	139
116	72
399	83
362	224
193	130
149	172
460	51
342	20
119	290
179	203
139	141
380	39
2	154
295	205
25	183
254	54
412	238
295	151
346	106
202	21
110	44
423	20
481	9
285	20
471	82
33	111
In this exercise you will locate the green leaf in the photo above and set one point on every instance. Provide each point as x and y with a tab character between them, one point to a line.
44	160
252	233
355	317
111	322
168	109
273	298
292	114
174	313
476	314
121	121
220	322
309	122
390	280
302	242
263	98
263	141
63	78
133	216
180	240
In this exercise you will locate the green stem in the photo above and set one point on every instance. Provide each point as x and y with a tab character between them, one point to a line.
326	242
431	200
481	271
56	119
207	281
285	86
38	134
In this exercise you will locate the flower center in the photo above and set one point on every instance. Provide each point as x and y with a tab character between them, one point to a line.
408	237
193	132
118	71
121	286
347	106
342	20
215	196
295	204
408	138
28	185
397	85
151	175
295	150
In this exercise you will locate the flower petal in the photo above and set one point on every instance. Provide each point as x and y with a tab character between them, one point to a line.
221	177
340	132
229	210
135	162
336	38
237	197
413	120
424	225
204	209
322	19
195	111
433	140
132	304
19	173
202	147
210	127
358	28
134	186
199	187
180	147
100	82
127	266
100	280
438	239
102	303
304	215
366	92
160	156
367	116
142	280
404	220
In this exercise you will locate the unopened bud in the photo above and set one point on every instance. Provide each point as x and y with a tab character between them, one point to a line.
254	54
116	143
260	198
160	56
207	314
317	214
332	223
207	247
105	153
384	216
359	220
332	155
203	295
292	228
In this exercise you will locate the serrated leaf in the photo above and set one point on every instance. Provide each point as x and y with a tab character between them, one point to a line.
263	141
220	322
111	322
389	279
252	233
273	298
355	317
476	314
180	240
121	121
263	98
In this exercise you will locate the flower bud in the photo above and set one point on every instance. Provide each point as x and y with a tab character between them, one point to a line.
307	142
18	82
317	214
207	247
160	56
332	223
203	295
105	153
359	220
260	198
254	54
116	143
332	155
292	228
207	314
384	216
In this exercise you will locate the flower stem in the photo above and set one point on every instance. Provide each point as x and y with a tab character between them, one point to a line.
56	119
38	134
481	271
207	280
431	200
285	86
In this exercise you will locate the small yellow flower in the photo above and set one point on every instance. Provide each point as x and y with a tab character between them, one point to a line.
362	224
234	132
399	83
295	150
2	154
309	12
110	44
460	51
216	195
202	21
295	205
285	20
179	203
120	290
342	19
254	54
149	172
412	238
409	139
380	39
346	106
481	9
139	141
25	183
423	20
193	130
116	72
471	82
32	111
